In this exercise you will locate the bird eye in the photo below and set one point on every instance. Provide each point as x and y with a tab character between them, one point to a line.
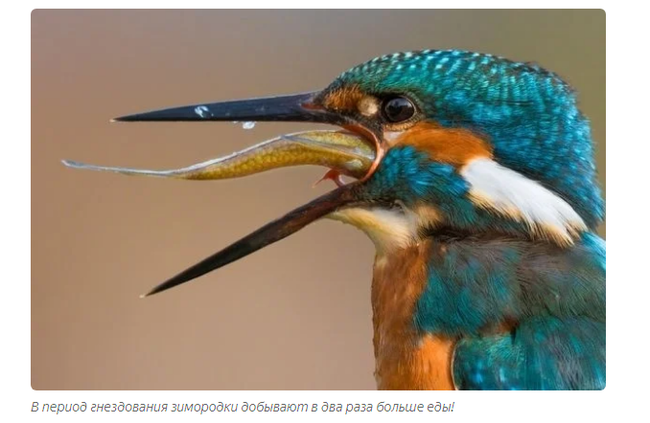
398	109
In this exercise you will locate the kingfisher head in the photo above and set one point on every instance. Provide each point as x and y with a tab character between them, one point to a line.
436	141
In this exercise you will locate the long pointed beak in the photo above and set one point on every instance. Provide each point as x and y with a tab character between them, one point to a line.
289	108
343	152
268	234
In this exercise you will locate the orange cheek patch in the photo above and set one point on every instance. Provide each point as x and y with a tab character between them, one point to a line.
454	146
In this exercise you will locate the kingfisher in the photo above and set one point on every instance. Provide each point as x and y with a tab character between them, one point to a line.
474	177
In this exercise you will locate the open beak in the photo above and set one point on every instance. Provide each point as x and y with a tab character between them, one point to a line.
343	152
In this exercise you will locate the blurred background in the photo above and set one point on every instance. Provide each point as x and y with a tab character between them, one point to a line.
295	315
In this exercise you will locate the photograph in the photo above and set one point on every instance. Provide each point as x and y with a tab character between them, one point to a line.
318	200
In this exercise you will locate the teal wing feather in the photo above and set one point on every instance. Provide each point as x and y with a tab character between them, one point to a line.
542	353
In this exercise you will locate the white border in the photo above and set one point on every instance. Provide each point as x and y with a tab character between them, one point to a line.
627	360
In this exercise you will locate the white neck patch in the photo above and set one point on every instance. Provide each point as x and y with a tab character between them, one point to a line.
388	229
511	194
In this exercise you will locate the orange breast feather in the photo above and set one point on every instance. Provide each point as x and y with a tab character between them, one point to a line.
404	358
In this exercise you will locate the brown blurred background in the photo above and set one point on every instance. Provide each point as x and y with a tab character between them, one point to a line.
293	316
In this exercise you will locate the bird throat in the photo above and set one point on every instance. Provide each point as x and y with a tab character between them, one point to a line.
404	358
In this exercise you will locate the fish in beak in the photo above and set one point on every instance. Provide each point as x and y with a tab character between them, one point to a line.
344	152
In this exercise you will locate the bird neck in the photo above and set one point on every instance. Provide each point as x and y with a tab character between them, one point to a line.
430	294
404	359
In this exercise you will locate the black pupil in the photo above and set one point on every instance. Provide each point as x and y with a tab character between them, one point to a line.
398	109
